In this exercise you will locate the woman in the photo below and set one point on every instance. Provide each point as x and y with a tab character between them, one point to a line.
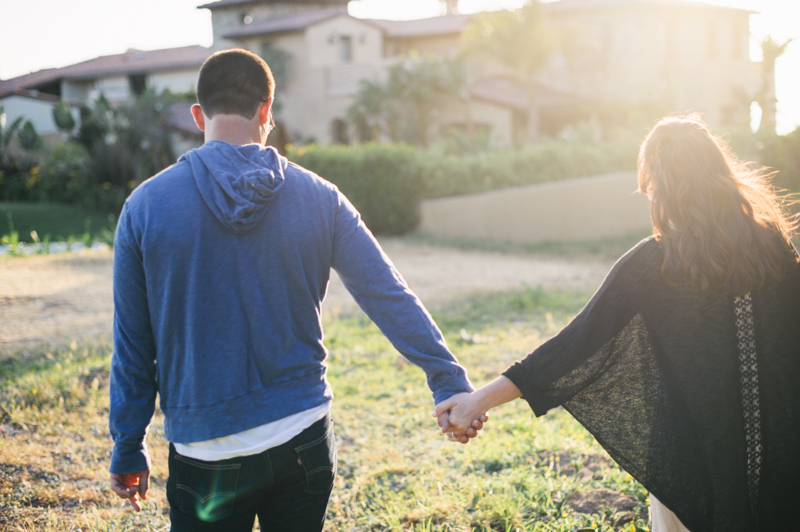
685	365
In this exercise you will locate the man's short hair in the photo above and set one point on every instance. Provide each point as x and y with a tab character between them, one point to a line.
234	82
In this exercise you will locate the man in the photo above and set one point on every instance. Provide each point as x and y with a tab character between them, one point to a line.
221	264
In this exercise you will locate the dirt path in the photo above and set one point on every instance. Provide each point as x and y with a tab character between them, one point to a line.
58	298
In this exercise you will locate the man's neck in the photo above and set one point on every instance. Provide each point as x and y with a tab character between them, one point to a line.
233	129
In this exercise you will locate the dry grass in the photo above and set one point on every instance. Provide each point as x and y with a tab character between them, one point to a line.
396	471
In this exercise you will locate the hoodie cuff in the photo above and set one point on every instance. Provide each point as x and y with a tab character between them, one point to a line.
132	461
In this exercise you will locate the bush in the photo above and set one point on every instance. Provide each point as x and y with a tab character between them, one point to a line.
386	181
381	180
452	175
783	154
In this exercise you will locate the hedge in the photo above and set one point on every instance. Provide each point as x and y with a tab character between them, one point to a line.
383	181
386	182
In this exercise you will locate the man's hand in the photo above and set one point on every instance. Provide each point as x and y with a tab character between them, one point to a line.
130	486
466	436
458	429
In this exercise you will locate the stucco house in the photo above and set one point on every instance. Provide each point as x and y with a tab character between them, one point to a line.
678	54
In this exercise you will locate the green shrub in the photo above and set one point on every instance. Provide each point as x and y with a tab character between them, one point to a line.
452	175
381	180
386	181
783	154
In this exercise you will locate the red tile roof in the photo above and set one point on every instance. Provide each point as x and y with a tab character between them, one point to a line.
513	93
35	95
228	3
131	62
285	24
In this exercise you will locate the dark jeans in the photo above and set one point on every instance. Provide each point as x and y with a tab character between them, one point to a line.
288	487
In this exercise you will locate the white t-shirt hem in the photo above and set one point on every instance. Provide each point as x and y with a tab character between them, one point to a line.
255	440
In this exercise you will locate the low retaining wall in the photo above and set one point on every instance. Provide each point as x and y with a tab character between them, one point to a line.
587	208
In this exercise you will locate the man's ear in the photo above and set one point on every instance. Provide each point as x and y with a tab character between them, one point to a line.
263	112
199	118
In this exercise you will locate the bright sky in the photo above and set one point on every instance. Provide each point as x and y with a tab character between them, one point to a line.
39	34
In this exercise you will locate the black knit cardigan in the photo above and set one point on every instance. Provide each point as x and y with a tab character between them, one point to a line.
666	380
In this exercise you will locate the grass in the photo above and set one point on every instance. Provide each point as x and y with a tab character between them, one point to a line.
57	220
608	249
397	472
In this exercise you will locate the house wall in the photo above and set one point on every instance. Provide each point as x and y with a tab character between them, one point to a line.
183	80
574	210
319	86
684	58
39	112
115	89
77	89
456	112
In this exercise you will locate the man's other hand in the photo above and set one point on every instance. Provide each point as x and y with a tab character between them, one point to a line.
130	486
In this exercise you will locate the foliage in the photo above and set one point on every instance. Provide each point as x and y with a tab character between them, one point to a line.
386	182
783	154
522	474
519	40
62	116
452	175
278	60
382	181
58	221
402	107
29	138
116	149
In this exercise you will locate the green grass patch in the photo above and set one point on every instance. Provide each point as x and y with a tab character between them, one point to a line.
57	220
606	249
397	472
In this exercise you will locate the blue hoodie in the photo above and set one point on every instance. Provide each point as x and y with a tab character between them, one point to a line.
221	263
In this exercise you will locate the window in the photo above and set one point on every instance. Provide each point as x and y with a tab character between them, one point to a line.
138	83
713	40
346	49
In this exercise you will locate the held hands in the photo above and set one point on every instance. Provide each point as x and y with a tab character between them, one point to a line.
130	486
459	421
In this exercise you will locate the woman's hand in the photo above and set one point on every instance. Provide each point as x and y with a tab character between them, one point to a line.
462	412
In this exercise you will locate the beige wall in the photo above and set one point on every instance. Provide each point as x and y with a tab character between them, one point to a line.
588	208
658	53
182	80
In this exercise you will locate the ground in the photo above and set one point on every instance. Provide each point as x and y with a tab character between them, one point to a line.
397	472
55	299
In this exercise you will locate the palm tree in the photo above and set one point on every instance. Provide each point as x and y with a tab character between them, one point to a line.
771	50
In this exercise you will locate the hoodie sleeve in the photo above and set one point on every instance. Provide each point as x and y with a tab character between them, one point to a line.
382	293
133	365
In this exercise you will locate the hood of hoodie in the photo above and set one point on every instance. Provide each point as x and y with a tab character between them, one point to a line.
237	182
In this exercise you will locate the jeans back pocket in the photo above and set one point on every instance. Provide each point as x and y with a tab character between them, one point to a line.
206	490
318	459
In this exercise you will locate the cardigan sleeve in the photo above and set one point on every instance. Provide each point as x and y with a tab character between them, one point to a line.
576	356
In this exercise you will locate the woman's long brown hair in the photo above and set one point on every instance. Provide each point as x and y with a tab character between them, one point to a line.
724	226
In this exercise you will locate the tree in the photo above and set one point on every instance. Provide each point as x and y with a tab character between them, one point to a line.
520	41
402	106
7	133
62	116
771	50
29	138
